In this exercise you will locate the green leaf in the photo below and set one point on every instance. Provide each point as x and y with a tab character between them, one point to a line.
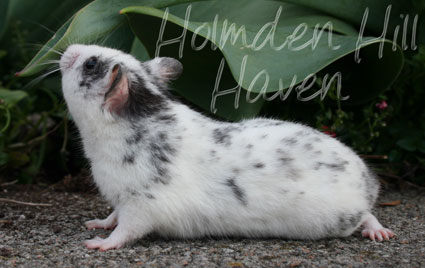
139	51
258	64
11	97
284	67
407	144
412	140
91	24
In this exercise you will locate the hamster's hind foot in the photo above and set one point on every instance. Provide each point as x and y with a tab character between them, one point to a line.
374	230
103	244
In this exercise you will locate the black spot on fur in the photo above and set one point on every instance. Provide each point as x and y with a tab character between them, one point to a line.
302	192
161	151
259	165
132	192
301	133
220	137
286	160
154	79
162	136
317	139
282	157
264	136
340	167
142	102
213	153
137	136
149	196
292	173
163	179
308	147
148	69
85	84
249	146
223	135
289	141
237	191
348	221
160	159
166	118
236	170
129	158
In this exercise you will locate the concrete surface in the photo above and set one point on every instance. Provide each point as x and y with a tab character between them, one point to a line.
34	236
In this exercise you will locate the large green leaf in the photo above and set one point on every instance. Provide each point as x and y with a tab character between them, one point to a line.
303	34
284	66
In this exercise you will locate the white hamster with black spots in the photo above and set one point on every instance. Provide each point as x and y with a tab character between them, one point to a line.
168	169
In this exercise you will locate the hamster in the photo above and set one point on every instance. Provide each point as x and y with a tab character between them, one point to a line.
168	169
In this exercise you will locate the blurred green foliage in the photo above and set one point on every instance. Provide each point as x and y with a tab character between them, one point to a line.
37	137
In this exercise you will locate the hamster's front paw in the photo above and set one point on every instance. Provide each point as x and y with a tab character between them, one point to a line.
99	224
109	223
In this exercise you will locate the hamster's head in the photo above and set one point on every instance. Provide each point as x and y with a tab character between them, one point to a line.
100	82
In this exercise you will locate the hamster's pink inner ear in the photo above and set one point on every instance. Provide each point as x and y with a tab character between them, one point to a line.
117	95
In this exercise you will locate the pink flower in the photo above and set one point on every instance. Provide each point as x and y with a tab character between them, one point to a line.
382	105
328	132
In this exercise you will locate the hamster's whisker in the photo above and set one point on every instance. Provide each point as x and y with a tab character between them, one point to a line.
44	27
55	51
39	46
41	77
48	62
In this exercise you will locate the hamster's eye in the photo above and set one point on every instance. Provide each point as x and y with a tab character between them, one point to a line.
90	63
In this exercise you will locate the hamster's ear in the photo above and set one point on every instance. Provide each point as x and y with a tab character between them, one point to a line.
165	68
117	95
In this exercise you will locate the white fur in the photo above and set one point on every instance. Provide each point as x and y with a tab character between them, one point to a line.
296	200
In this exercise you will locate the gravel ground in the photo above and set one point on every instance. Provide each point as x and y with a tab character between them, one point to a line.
52	237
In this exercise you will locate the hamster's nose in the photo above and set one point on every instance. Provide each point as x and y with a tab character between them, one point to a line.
68	59
71	55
